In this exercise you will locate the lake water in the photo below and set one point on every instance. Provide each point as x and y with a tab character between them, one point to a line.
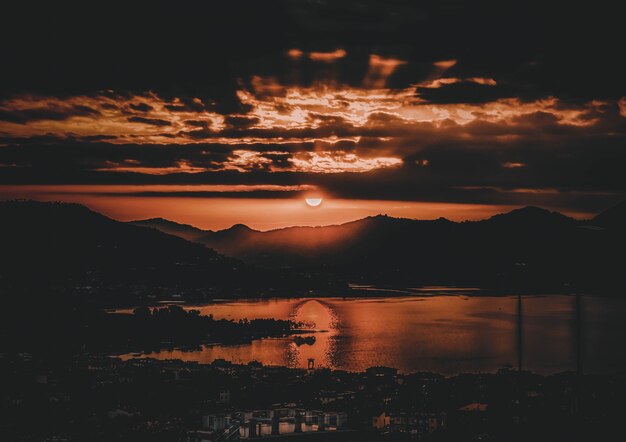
445	334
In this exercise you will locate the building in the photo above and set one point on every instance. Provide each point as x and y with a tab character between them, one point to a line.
216	422
224	396
381	421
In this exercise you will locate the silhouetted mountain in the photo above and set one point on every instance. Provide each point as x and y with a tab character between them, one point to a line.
612	217
240	240
71	248
184	231
527	247
68	247
531	217
347	242
235	232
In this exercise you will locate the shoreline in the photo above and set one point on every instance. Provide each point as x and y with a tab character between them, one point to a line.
373	293
219	362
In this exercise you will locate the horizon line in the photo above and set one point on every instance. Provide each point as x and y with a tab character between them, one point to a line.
379	215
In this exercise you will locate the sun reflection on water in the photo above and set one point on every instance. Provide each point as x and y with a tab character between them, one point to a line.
322	319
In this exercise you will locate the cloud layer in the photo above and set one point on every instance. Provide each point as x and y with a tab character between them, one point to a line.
483	103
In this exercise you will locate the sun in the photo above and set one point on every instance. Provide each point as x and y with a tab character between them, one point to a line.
313	202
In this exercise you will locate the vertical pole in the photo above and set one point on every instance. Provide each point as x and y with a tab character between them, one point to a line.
578	335
520	347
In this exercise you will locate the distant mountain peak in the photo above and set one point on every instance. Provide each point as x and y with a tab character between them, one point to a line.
530	214
158	220
386	219
380	217
529	209
240	228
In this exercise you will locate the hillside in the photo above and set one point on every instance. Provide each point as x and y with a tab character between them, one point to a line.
69	248
184	231
527	247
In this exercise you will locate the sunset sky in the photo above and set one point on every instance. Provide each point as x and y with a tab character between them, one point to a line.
215	113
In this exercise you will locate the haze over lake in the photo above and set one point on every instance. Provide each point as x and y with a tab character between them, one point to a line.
446	334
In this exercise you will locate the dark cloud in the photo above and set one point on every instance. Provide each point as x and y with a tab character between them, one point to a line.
537	119
52	112
187	105
141	107
240	122
198	123
205	50
150	121
89	138
199	134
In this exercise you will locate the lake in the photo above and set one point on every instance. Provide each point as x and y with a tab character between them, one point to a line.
445	334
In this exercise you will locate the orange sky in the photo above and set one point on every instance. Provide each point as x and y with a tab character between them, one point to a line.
362	102
324	133
259	213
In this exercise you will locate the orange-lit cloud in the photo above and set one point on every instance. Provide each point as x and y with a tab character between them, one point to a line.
435	84
316	162
328	57
444	64
380	69
295	54
622	106
325	127
513	165
247	160
180	167
335	162
139	118
277	113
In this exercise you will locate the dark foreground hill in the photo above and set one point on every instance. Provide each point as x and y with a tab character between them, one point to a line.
184	231
67	247
528	247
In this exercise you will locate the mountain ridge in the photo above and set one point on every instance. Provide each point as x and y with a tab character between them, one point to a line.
520	214
528	245
186	231
371	218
